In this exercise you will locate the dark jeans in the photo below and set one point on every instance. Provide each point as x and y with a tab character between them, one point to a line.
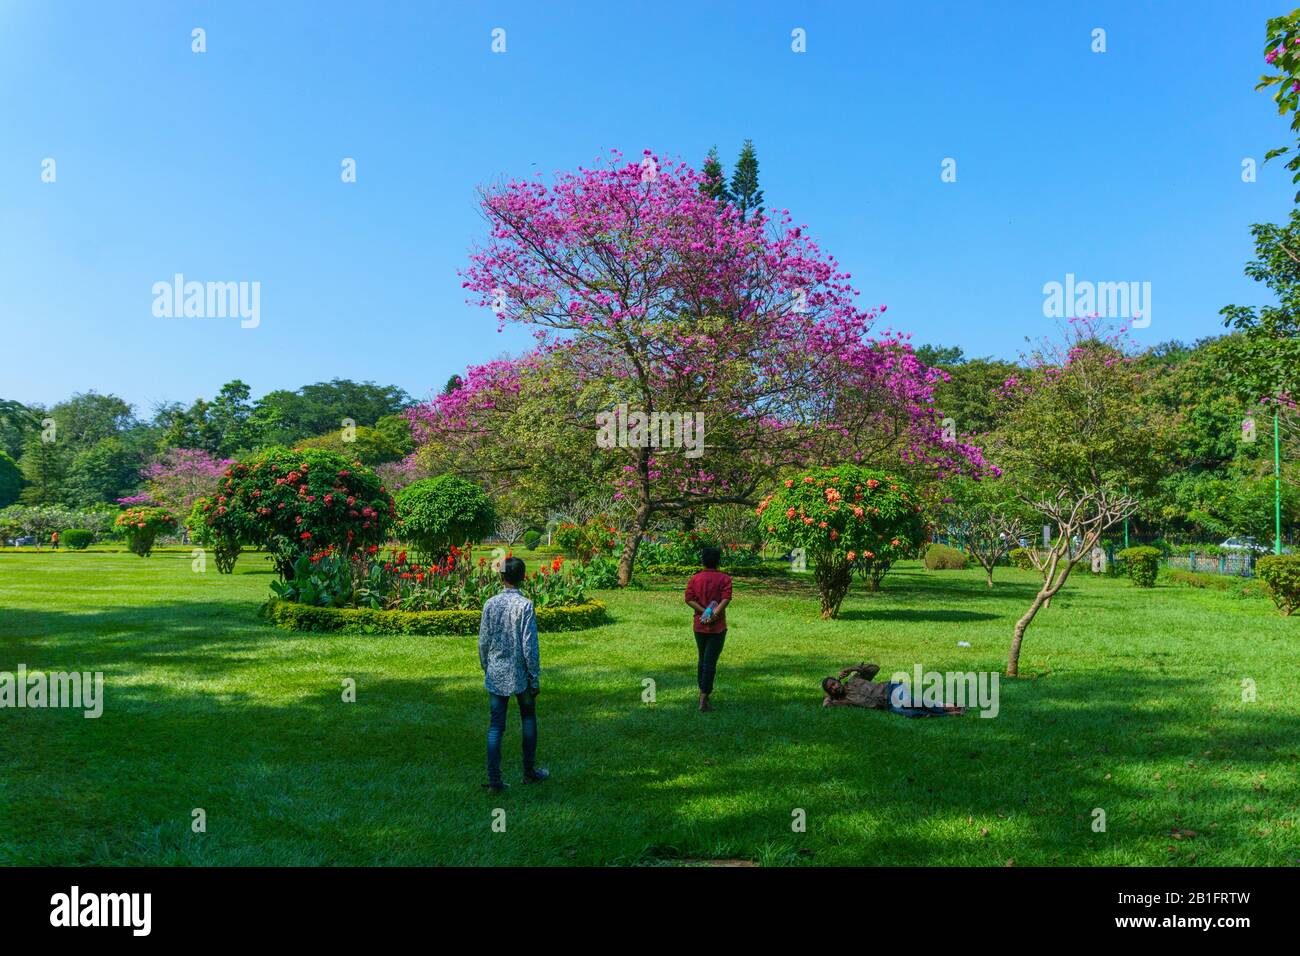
497	707
710	648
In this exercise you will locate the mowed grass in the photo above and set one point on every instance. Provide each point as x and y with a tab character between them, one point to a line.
1132	704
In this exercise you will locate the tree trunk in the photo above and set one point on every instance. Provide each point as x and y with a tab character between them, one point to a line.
633	542
1041	600
989	572
1018	635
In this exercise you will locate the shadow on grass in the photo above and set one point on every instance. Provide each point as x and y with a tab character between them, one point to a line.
394	778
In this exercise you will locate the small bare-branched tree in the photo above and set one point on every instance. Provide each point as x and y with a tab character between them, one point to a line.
511	528
987	533
986	519
1080	519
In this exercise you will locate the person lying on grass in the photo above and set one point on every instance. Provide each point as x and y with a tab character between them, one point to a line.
708	593
509	655
855	688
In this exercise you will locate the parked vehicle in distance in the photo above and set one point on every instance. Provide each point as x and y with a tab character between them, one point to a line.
1245	543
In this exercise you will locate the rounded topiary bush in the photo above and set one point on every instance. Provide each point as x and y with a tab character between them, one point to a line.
76	539
141	527
436	513
1142	563
1281	576
940	557
532	539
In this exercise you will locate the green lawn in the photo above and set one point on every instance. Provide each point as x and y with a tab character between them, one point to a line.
1132	704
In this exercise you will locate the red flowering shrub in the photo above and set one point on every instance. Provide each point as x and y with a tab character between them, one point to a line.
294	503
222	529
141	527
846	519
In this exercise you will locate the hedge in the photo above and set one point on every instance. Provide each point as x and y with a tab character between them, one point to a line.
1216	582
291	616
77	539
940	557
686	570
1143	563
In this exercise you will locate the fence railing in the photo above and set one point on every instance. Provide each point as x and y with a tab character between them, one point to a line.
1239	563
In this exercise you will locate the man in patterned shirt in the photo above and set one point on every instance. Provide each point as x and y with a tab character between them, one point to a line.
508	653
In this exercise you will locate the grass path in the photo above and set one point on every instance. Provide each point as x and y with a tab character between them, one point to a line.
1132	703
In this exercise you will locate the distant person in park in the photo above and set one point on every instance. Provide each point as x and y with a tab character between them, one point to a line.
855	688
509	655
708	594
54	540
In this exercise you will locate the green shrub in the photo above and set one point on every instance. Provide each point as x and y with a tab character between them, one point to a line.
585	541
1142	563
1019	558
1281	576
532	539
601	572
76	539
292	616
434	514
940	557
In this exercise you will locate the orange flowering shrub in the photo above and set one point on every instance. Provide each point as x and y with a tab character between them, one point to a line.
847	519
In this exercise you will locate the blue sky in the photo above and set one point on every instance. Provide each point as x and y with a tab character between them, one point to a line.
1115	166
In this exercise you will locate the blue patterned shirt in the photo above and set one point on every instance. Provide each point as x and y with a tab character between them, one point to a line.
507	644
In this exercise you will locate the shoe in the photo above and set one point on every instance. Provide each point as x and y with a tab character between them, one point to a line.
498	787
536	775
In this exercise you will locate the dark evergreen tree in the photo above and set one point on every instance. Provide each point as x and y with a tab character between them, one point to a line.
715	180
745	194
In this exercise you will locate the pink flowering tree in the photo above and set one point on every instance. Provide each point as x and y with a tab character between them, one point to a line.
180	477
656	306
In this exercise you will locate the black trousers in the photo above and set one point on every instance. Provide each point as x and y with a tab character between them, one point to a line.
710	648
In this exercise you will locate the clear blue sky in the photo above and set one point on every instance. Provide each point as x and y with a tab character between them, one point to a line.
225	166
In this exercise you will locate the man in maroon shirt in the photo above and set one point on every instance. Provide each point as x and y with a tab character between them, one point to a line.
708	594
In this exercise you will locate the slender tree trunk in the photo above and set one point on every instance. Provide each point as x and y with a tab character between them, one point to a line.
988	571
1041	600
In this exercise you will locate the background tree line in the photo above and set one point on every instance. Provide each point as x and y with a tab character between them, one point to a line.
91	448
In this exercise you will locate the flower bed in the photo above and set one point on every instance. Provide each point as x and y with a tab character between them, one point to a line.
368	580
291	616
